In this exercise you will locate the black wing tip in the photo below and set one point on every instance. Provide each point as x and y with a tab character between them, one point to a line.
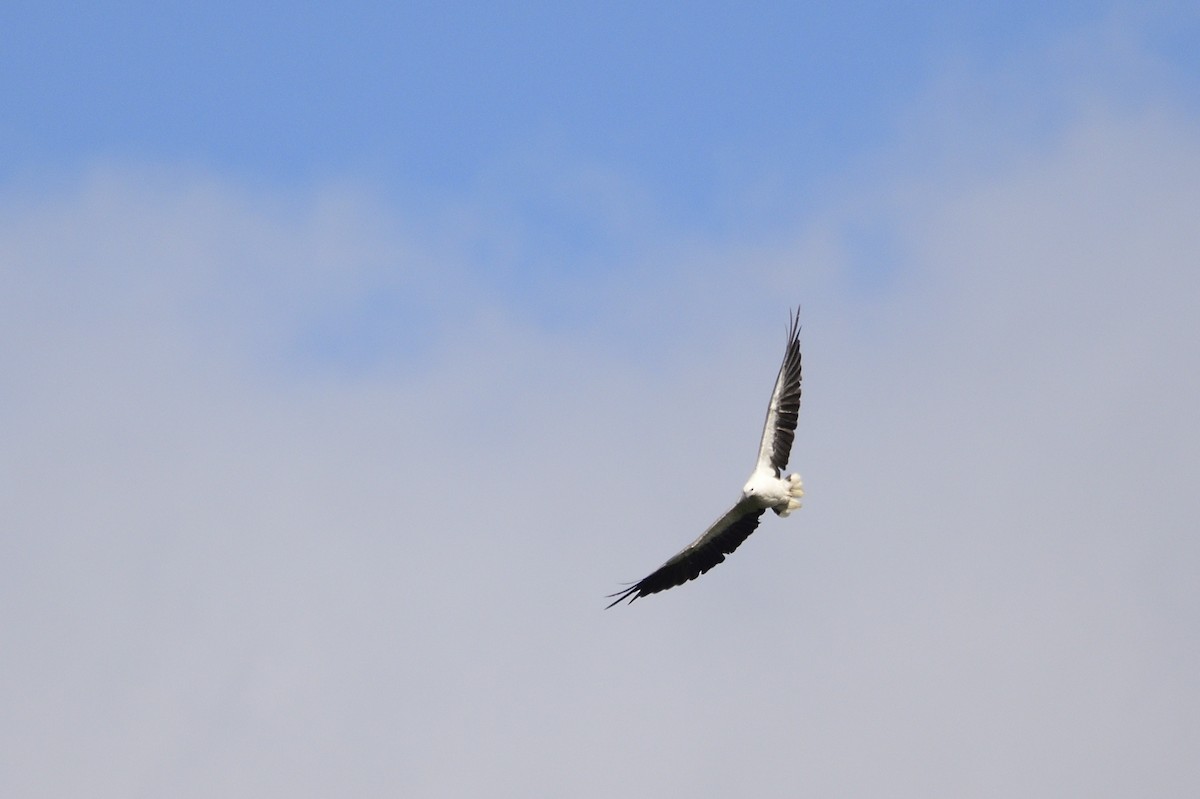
631	593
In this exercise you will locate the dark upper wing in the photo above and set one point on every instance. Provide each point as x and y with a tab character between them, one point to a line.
726	535
780	427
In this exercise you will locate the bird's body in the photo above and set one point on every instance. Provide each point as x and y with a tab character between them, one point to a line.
781	495
766	488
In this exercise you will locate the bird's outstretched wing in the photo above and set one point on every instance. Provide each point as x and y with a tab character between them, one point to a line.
780	427
725	535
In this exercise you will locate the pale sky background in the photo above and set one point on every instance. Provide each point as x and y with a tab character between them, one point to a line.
349	355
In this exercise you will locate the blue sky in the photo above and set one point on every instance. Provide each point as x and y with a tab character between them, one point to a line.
581	131
575	135
351	356
697	104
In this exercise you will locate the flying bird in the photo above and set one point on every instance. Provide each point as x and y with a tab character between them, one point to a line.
766	488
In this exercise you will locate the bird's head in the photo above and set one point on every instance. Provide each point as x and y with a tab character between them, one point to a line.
749	490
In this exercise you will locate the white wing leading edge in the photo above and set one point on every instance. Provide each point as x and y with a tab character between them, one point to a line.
784	409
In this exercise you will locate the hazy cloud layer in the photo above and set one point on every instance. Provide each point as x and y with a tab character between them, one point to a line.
233	566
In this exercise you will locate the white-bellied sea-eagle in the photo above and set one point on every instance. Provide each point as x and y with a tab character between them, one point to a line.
766	488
